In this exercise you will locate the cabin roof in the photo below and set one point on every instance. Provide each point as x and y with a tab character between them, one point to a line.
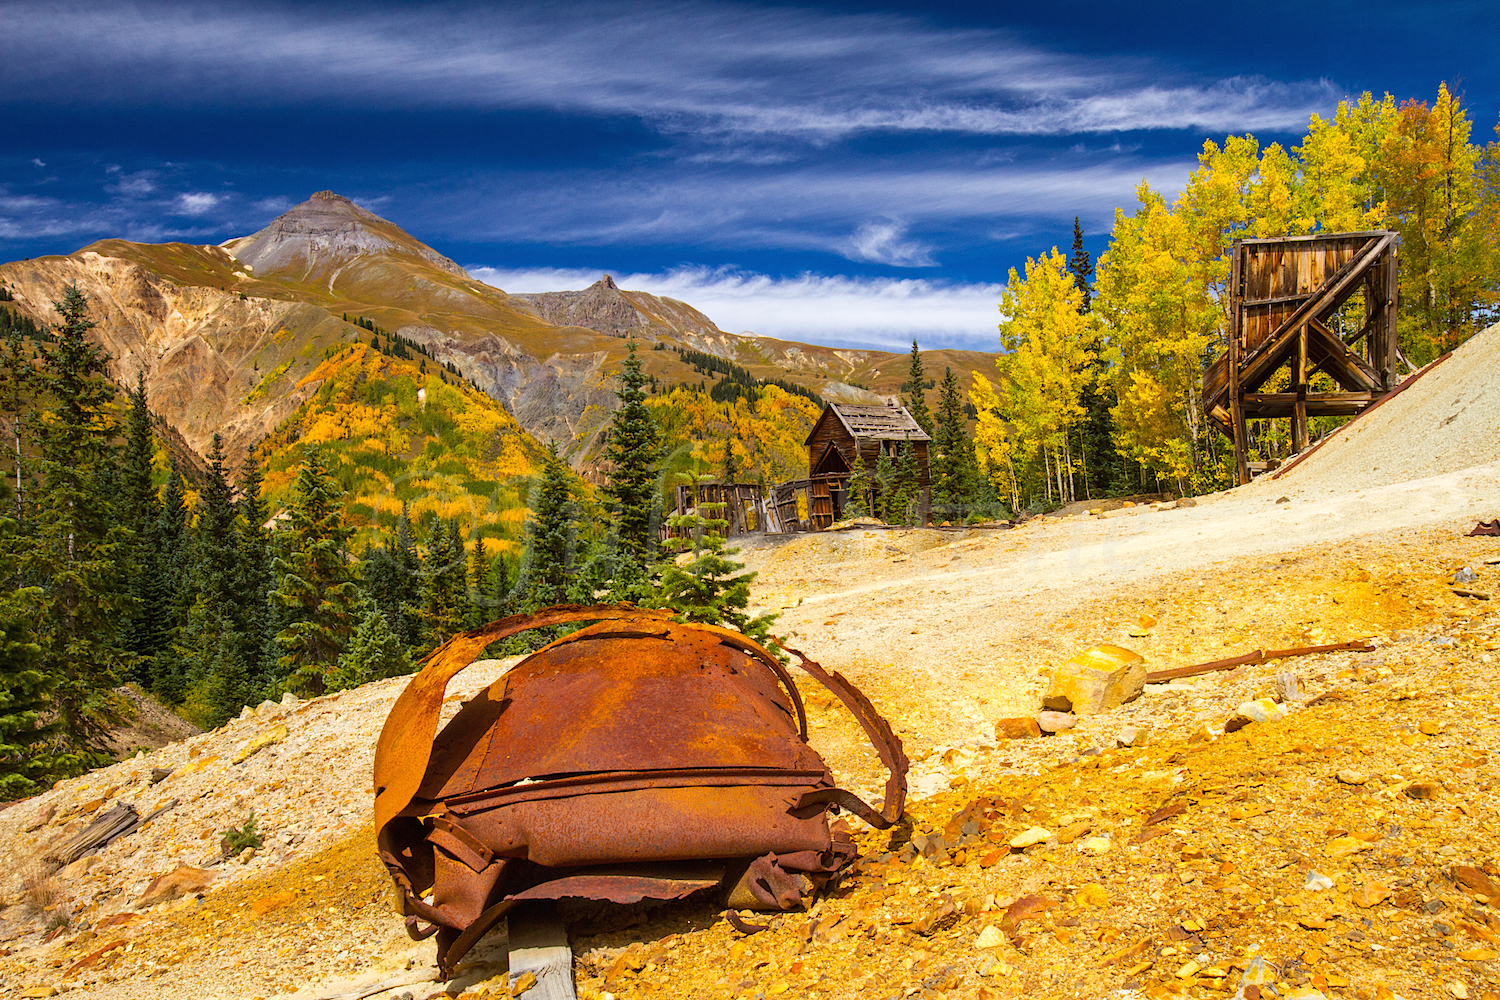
883	423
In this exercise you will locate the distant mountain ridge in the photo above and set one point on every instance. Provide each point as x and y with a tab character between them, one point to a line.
228	335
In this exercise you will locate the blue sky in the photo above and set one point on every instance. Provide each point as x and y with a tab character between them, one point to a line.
837	173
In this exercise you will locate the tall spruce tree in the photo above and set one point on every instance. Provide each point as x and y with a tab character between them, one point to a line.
445	587
906	500
253	578
146	631
78	545
392	578
171	590
551	538
481	608
955	473
314	589
26	687
634	449
916	400
374	652
220	666
1081	267
1100	463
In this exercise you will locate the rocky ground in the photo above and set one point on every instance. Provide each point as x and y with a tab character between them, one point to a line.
1350	849
1350	845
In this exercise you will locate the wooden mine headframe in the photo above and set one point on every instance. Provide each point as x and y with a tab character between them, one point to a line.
1283	294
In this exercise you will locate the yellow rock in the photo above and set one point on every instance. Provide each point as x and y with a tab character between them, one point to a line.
990	937
1097	680
1027	838
267	737
1476	954
194	766
1189	970
1093	894
1429	728
1343	847
1096	845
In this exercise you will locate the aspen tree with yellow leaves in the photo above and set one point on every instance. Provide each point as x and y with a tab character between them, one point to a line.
1049	346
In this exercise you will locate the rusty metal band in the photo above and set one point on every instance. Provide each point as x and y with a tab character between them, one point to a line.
886	743
626	781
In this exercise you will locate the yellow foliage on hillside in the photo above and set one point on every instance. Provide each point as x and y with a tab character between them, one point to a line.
765	436
395	435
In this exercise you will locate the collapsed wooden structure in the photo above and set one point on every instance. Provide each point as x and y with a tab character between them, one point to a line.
1285	294
744	505
842	433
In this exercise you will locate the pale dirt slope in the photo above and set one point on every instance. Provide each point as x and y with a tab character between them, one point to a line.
948	632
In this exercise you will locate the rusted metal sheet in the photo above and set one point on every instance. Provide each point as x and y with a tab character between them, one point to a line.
636	739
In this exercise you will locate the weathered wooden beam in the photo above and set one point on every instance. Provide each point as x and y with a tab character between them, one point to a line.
1238	432
539	945
1265	405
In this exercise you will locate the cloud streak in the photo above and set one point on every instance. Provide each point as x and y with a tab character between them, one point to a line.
696	69
834	310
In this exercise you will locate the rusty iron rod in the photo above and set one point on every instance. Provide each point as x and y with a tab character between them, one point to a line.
1256	656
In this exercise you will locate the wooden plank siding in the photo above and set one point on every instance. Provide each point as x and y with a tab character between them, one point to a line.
1282	296
844	431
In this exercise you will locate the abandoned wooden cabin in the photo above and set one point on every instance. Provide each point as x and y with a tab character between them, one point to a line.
1287	298
845	430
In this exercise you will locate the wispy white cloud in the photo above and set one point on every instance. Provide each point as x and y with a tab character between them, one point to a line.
835	310
886	215
691	68
196	203
884	241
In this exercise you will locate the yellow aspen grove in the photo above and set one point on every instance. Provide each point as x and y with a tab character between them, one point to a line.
993	443
1049	346
1161	319
1431	179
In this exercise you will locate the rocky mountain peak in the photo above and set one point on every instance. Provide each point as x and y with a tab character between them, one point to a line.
607	282
326	231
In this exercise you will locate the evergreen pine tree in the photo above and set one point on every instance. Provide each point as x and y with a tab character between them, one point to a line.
170	590
907	495
145	632
481	610
861	488
955	473
885	481
1103	469
25	685
392	579
916	399
634	449
219	666
444	585
78	545
374	652
1081	267
253	577
551	538
314	587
